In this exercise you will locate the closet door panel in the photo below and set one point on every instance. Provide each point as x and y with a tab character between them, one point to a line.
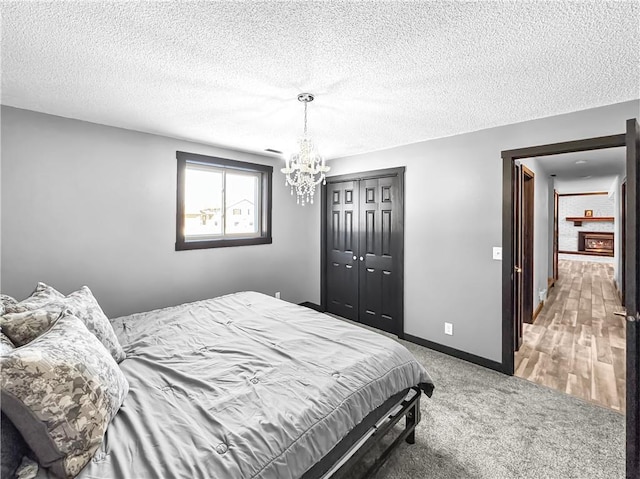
378	245
342	246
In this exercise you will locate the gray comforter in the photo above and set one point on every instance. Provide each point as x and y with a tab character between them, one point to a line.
244	386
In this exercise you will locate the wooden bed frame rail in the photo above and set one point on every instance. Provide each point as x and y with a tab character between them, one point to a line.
410	411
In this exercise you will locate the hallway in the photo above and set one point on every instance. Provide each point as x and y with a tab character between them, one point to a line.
576	344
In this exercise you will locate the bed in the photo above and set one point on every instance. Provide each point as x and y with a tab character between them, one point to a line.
249	386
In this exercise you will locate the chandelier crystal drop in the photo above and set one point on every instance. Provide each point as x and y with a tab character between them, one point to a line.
306	168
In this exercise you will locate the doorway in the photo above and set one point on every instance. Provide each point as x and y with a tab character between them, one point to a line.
631	141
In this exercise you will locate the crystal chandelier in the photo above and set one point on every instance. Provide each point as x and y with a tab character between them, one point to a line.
306	168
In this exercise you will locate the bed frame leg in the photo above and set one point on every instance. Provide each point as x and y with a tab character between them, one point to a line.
410	411
411	438
411	420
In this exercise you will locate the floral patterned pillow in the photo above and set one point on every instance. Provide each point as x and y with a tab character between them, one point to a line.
84	305
6	301
42	295
23	327
61	391
6	344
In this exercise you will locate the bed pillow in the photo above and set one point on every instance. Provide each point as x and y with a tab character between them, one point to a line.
84	305
61	391
42	295
12	446
5	301
6	344
24	327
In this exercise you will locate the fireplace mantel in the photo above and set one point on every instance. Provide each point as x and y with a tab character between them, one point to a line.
577	220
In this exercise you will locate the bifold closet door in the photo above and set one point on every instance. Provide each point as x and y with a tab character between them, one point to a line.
342	262
363	250
380	241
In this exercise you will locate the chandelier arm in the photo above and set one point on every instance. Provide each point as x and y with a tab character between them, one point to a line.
319	180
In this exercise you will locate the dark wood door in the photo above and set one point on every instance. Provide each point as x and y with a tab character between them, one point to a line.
632	297
527	245
342	264
556	204
517	249
380	241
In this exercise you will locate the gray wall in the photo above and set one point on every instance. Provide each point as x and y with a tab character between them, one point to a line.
89	204
453	219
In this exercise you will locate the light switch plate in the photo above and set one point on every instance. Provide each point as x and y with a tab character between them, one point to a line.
497	253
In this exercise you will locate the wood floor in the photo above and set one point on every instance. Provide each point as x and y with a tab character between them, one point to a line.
576	344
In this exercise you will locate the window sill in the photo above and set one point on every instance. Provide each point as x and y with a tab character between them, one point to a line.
221	243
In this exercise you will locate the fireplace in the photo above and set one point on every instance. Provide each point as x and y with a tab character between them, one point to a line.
600	243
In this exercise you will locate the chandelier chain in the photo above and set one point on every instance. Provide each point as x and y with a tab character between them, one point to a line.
305	117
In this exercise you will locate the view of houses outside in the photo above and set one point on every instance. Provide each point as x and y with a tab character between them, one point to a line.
240	200
204	202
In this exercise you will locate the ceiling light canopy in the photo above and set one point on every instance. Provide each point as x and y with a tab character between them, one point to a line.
306	168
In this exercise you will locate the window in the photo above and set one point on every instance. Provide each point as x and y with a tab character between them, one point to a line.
222	202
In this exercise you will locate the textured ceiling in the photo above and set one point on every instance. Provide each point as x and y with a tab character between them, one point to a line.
384	73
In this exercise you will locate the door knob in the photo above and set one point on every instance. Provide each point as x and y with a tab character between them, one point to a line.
620	313
361	258
518	269
355	258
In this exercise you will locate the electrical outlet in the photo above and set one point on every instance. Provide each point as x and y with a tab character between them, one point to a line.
277	294
448	329
497	253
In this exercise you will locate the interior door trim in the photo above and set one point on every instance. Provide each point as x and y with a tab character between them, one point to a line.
588	144
387	172
366	175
